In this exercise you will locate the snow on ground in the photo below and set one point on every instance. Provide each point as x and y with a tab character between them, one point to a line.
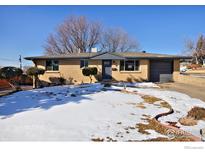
55	114
137	84
80	113
181	103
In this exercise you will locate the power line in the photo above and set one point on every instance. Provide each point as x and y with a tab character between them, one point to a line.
6	59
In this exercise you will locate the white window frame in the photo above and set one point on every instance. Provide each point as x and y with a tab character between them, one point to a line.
134	66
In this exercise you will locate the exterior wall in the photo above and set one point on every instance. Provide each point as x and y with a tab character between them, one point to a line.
131	76
70	70
176	69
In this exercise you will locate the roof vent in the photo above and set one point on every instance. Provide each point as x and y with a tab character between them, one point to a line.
94	50
143	51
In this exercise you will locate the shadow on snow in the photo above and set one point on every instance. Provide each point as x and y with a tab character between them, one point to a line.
44	98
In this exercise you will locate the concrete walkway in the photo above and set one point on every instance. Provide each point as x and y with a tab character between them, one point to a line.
195	91
5	92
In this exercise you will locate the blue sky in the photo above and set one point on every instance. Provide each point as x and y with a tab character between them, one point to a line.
159	29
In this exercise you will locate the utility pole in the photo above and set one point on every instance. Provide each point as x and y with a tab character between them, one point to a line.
20	61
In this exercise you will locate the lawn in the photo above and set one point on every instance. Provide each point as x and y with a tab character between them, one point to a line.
93	112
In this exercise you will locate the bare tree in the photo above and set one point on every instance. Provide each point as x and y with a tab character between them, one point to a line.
78	34
189	46
75	34
117	40
197	50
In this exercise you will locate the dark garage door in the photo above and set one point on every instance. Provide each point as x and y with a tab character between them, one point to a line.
161	71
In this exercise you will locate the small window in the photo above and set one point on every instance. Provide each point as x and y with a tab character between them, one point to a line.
129	65
52	65
83	63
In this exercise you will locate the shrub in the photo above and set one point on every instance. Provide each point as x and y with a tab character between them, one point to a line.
198	113
188	121
25	80
35	72
62	80
57	80
90	71
8	73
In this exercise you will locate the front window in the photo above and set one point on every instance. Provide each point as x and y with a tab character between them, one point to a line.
129	65
52	65
83	63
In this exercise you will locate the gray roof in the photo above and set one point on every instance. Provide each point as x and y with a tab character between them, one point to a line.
107	55
110	55
69	56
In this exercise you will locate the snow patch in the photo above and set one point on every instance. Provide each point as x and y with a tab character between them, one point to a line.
80	113
137	84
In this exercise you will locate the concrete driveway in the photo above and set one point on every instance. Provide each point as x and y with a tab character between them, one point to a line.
196	91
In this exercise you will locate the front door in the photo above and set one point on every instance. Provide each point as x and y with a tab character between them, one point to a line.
107	69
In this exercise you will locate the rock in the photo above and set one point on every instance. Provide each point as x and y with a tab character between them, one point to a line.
202	132
97	139
73	95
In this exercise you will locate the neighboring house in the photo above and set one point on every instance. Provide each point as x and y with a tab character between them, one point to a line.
118	66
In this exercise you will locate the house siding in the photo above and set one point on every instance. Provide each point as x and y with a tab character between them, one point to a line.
135	76
176	69
71	71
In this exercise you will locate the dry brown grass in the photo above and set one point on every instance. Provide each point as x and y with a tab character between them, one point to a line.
152	124
187	121
164	139
165	105
150	99
195	114
198	113
109	139
146	116
155	125
141	105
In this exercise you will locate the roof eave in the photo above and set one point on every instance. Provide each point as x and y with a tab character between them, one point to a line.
178	57
44	58
116	58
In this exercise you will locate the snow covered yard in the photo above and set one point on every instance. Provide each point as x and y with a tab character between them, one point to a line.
90	112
